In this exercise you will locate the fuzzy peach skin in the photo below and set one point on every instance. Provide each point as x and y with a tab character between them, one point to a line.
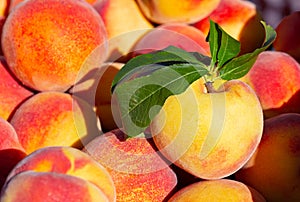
186	11
138	172
68	161
12	93
287	39
217	190
240	19
11	151
275	77
181	35
47	187
54	119
210	135
124	23
274	168
47	43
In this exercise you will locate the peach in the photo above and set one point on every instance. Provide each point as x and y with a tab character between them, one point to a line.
49	45
181	35
45	187
66	161
124	24
11	151
274	168
138	172
185	11
275	77
287	38
239	19
209	134
217	190
54	119
12	93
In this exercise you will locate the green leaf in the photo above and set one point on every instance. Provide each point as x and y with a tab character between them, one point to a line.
140	99
240	66
170	54
223	47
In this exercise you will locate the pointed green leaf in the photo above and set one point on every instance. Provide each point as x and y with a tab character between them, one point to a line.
170	54
214	38
229	48
139	100
240	66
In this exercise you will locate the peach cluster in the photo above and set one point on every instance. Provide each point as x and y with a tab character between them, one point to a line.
60	139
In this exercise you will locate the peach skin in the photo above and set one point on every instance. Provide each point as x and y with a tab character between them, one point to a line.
124	23
48	187
181	35
184	11
287	35
275	77
54	119
11	151
46	43
217	190
67	161
138	172
274	168
238	18
12	92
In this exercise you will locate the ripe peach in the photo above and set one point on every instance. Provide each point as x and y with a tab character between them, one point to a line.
238	18
180	35
287	38
67	161
11	151
54	119
209	134
217	190
47	43
186	11
12	93
275	77
124	24
138	172
49	186
273	170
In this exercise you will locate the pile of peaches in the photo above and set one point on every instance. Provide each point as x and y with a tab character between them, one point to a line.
61	138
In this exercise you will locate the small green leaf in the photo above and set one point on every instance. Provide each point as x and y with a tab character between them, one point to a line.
140	99
214	38
170	54
240	66
223	47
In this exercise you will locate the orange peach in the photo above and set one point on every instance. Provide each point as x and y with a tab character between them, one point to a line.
275	77
186	11
124	24
12	93
66	161
54	119
47	187
273	170
11	151
180	35
47	43
217	190
138	172
239	19
287	35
